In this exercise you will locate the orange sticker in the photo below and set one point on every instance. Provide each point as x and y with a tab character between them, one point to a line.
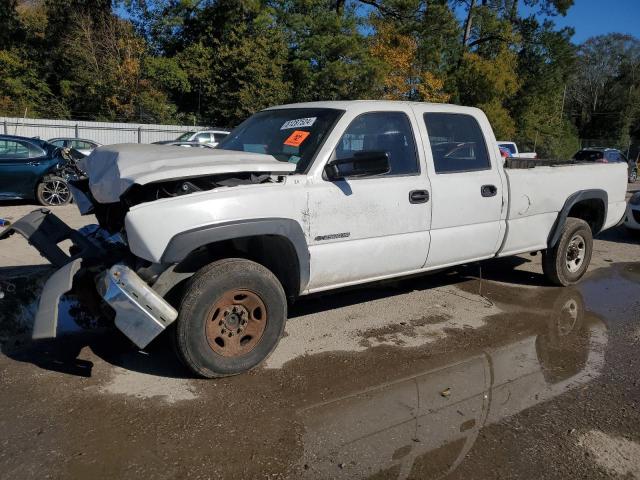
296	138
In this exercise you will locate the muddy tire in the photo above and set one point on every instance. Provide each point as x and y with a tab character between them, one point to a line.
568	260
230	319
53	191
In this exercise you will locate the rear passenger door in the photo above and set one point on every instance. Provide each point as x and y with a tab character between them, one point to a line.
468	189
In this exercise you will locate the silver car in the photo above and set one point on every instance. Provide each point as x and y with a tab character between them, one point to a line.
82	145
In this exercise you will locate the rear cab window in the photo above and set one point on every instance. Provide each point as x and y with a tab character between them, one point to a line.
457	143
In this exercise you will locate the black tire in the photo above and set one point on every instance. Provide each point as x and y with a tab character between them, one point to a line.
210	299
556	260
53	191
633	176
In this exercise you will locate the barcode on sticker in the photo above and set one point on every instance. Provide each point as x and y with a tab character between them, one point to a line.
298	123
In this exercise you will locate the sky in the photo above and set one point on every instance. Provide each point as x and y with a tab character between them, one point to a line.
588	17
597	17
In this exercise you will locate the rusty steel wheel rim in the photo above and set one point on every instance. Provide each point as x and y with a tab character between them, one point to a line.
236	323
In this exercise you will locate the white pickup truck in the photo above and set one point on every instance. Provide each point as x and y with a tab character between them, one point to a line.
300	199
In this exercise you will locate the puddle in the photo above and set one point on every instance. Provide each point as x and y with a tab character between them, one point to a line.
386	387
428	421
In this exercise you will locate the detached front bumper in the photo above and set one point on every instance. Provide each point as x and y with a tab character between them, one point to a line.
140	313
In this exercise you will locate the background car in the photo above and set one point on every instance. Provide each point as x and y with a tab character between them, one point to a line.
174	143
211	137
31	168
607	155
82	145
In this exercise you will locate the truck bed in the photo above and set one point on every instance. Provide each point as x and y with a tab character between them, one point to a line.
536	195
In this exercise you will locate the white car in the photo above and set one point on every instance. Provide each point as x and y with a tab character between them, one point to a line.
82	145
307	198
513	149
632	219
210	137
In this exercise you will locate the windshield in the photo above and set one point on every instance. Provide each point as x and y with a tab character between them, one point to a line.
290	134
185	136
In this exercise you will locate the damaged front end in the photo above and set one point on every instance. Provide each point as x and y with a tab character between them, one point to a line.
99	269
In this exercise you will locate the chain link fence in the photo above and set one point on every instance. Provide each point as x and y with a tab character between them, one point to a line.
102	132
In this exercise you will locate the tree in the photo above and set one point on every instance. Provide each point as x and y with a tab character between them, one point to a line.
403	79
329	58
111	76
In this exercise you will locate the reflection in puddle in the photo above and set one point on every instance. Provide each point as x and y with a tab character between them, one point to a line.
409	428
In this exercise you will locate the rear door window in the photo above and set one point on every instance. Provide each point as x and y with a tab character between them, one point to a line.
14	150
457	143
203	137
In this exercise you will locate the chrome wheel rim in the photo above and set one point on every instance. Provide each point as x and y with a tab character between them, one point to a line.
55	192
576	251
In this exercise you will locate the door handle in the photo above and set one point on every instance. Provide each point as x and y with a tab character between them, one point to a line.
488	190
418	196
33	163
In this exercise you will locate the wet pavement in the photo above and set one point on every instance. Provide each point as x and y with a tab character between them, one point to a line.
456	377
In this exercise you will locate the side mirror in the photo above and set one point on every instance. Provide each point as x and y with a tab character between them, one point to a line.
362	164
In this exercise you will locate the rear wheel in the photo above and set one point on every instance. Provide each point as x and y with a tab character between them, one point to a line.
633	176
53	191
566	262
231	318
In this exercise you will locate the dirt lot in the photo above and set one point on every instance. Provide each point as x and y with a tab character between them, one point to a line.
479	372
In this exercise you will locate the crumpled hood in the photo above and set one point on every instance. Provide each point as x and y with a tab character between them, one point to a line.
113	169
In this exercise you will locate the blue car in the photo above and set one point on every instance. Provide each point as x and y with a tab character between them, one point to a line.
32	169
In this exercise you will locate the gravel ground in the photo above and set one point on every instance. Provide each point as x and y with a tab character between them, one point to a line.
478	372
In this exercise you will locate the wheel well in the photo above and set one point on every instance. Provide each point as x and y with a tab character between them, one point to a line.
592	211
274	252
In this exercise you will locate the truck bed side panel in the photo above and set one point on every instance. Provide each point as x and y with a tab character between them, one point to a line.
537	195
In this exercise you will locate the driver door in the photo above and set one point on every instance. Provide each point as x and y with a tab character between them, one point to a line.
368	228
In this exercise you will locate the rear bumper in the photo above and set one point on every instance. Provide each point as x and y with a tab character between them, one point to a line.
140	313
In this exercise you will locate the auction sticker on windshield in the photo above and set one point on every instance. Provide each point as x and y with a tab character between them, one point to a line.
298	123
296	138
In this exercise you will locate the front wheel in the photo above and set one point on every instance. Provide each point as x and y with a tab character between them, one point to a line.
53	191
231	318
633	176
566	262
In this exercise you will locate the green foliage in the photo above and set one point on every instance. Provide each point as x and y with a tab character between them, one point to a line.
218	61
329	58
23	91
